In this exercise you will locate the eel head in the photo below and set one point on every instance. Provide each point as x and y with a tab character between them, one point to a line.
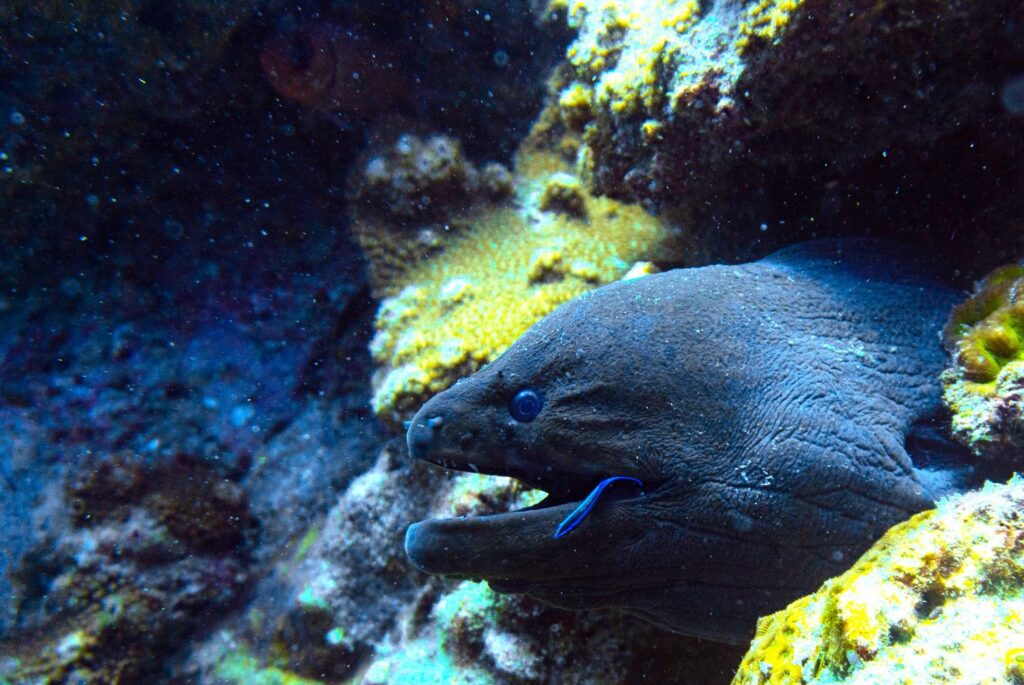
569	406
769	459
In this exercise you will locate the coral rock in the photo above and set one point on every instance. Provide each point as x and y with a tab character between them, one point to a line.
464	633
939	599
984	388
741	109
154	550
402	196
349	577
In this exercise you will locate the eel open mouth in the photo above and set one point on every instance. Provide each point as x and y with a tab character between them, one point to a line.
491	546
560	487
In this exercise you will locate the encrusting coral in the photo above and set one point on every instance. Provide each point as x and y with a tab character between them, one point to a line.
939	599
406	197
500	268
153	550
635	57
738	109
984	389
642	75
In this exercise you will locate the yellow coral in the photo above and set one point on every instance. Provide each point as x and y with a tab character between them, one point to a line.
563	193
576	105
651	130
509	267
939	599
766	20
642	59
1015	665
985	331
985	388
628	50
405	198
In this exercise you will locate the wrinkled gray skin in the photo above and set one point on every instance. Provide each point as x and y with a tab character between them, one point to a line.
765	406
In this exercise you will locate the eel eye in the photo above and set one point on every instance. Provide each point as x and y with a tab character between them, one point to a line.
525	405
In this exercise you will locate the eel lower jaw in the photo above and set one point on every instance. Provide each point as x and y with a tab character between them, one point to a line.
512	548
476	546
501	546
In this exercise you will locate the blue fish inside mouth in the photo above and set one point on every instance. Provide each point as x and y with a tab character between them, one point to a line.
561	488
570	522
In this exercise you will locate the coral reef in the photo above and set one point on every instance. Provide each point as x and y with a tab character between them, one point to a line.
984	388
343	584
502	268
214	378
774	114
401	195
939	599
472	635
210	376
152	549
179	295
26	475
639	60
242	668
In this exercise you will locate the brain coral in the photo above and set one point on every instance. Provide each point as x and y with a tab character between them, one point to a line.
984	389
505	267
939	599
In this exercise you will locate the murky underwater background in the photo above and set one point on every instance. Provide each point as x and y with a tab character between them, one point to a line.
244	241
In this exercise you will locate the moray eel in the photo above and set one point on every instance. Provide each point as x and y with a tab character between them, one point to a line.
773	412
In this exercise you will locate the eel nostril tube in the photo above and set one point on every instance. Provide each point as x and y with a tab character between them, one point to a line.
420	436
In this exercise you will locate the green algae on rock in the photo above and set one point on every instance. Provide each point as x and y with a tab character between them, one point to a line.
243	668
984	388
938	600
473	636
445	633
327	617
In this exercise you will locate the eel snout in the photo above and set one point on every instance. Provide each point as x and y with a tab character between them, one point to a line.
447	432
519	544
